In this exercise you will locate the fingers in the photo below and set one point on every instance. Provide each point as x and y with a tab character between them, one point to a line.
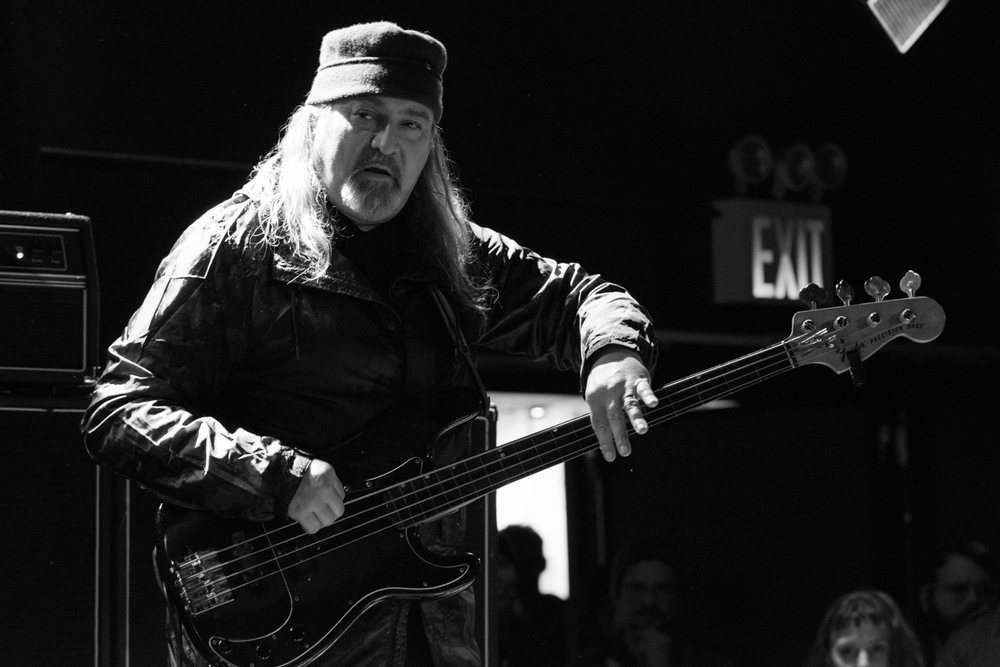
319	499
605	437
632	408
617	391
317	511
646	394
633	402
612	427
619	431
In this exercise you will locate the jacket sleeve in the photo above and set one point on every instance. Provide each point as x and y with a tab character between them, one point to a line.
149	418
556	312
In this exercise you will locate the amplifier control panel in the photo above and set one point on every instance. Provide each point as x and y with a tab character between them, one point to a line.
31	251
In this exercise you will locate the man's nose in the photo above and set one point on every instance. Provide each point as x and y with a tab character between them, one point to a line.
863	659
385	139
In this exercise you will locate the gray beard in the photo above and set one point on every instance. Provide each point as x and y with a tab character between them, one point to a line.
371	199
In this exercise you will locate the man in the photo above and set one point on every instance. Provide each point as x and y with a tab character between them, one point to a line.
531	628
960	580
344	280
976	643
645	620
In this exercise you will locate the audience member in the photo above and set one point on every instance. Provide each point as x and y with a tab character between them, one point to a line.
865	629
646	615
959	580
976	643
531	624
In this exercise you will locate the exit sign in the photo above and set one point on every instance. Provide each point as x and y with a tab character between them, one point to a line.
766	251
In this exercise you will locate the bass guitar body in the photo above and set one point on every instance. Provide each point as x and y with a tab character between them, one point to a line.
264	593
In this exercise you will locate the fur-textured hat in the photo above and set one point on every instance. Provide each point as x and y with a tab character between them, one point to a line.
380	59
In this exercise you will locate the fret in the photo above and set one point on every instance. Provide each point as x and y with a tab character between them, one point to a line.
756	368
397	501
518	453
717	387
552	455
395	504
472	486
449	487
422	498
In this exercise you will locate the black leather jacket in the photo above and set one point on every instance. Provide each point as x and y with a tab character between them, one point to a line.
237	370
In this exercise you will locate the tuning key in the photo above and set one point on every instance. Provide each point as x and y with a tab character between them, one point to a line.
910	283
877	288
845	292
813	295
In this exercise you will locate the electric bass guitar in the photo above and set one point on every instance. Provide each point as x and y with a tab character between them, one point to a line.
255	594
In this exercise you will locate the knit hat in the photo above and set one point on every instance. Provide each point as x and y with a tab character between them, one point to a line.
380	59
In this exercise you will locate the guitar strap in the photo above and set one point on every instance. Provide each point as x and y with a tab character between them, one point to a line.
461	345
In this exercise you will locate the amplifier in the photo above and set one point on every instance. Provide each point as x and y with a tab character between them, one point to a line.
48	299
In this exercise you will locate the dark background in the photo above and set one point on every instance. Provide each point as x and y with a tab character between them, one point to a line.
600	134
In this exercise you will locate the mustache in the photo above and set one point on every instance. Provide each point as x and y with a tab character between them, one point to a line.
379	160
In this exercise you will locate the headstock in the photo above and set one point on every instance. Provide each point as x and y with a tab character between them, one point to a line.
842	337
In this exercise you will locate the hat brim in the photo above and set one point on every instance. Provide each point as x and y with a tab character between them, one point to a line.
398	79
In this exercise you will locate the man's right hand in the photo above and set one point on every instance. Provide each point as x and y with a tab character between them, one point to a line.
319	500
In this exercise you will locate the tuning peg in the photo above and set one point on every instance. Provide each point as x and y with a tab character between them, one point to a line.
813	295
845	292
877	288
910	283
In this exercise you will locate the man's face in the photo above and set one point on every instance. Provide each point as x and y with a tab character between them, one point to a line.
370	152
962	587
647	597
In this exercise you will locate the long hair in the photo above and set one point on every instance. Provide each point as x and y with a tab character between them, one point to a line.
294	211
875	607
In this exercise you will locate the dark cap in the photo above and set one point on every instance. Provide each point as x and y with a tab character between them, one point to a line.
380	59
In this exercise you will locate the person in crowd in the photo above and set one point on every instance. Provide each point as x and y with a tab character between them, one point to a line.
345	280
975	643
865	629
531	625
646	619
959	579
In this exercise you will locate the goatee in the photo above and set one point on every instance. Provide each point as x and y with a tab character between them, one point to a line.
372	199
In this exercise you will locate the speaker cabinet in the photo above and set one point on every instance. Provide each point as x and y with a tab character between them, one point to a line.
53	535
49	297
134	617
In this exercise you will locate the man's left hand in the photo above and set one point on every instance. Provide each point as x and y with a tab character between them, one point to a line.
618	387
